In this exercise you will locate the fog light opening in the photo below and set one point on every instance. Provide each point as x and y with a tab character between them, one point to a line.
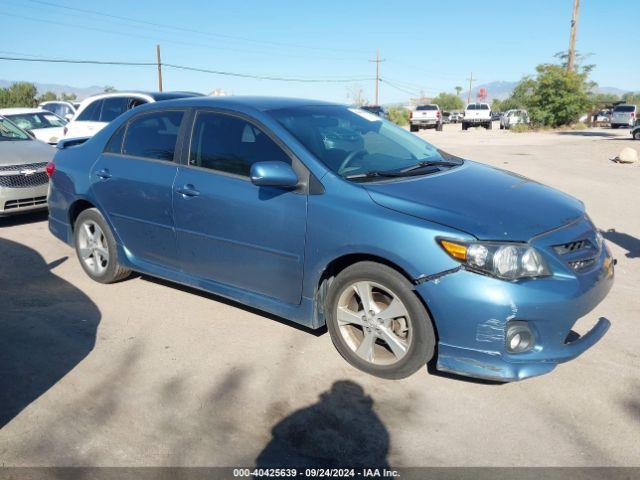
519	337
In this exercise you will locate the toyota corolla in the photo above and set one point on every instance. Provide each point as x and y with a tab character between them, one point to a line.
329	215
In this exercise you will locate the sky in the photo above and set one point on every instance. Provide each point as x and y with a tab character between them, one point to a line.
428	46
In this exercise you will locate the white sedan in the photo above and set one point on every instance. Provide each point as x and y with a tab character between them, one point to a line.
44	125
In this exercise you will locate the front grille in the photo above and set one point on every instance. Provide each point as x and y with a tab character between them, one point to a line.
24	181
579	254
573	247
26	166
25	202
23	176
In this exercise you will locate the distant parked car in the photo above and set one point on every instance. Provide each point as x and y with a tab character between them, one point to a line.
43	124
376	110
446	117
477	114
23	177
455	117
624	116
513	117
65	110
426	116
496	116
97	111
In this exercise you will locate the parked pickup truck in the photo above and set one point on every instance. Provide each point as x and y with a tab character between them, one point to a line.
477	114
426	116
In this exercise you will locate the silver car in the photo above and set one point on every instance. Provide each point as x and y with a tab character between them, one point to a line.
23	178
513	117
624	116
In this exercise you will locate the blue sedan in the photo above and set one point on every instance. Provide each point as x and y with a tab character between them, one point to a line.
329	215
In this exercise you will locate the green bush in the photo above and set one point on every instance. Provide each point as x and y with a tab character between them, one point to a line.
520	128
399	115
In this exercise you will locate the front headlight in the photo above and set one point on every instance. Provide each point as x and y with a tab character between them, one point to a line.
509	261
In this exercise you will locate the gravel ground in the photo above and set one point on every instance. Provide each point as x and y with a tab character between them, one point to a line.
145	372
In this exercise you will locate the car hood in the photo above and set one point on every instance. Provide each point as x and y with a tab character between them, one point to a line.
49	135
24	151
486	202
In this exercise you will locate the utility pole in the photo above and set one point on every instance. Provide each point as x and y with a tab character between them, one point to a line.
469	94
572	38
377	62
159	68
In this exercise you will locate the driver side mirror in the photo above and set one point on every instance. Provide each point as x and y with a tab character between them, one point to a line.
273	174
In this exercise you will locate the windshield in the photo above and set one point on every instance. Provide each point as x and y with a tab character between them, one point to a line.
9	132
426	107
34	121
352	142
624	108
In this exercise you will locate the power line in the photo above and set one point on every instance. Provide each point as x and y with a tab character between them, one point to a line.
189	30
400	88
186	67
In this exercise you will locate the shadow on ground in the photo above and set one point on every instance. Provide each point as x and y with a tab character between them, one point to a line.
47	326
340	430
587	133
630	243
24	218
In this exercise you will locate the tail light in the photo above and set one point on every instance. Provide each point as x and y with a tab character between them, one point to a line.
438	114
65	130
50	168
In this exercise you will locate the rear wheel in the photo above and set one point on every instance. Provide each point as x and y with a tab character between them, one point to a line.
489	126
96	248
413	128
464	126
376	321
439	127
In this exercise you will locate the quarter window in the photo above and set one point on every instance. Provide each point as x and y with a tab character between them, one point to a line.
153	135
115	143
230	144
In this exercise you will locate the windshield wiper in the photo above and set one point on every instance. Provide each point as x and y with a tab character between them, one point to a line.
374	174
429	163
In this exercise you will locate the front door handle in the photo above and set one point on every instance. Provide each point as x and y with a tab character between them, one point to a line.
188	191
103	174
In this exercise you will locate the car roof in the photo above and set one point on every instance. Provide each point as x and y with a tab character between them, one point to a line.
17	111
56	101
157	96
255	102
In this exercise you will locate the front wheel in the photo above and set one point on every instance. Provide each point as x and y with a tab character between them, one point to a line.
96	248
636	135
377	322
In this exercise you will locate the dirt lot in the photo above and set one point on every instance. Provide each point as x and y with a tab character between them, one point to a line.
148	373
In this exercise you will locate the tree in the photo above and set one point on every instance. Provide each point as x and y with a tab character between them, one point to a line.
458	90
632	98
109	89
355	95
510	103
20	94
448	101
555	96
68	97
47	97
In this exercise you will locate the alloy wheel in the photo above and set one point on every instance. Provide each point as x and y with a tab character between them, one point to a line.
92	247
374	323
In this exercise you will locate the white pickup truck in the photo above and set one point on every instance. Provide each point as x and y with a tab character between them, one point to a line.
426	116
477	114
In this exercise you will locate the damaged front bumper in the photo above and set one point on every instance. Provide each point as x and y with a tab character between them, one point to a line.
472	314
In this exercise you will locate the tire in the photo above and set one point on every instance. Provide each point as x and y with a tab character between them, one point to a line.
439	127
464	126
413	128
96	248
410	330
614	126
636	135
501	127
489	126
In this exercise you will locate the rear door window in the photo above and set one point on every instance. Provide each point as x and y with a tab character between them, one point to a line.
153	135
91	113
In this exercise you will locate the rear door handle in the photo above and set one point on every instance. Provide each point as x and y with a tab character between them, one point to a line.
103	174
188	191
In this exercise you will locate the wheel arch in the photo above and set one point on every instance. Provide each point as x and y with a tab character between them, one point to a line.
337	265
76	208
